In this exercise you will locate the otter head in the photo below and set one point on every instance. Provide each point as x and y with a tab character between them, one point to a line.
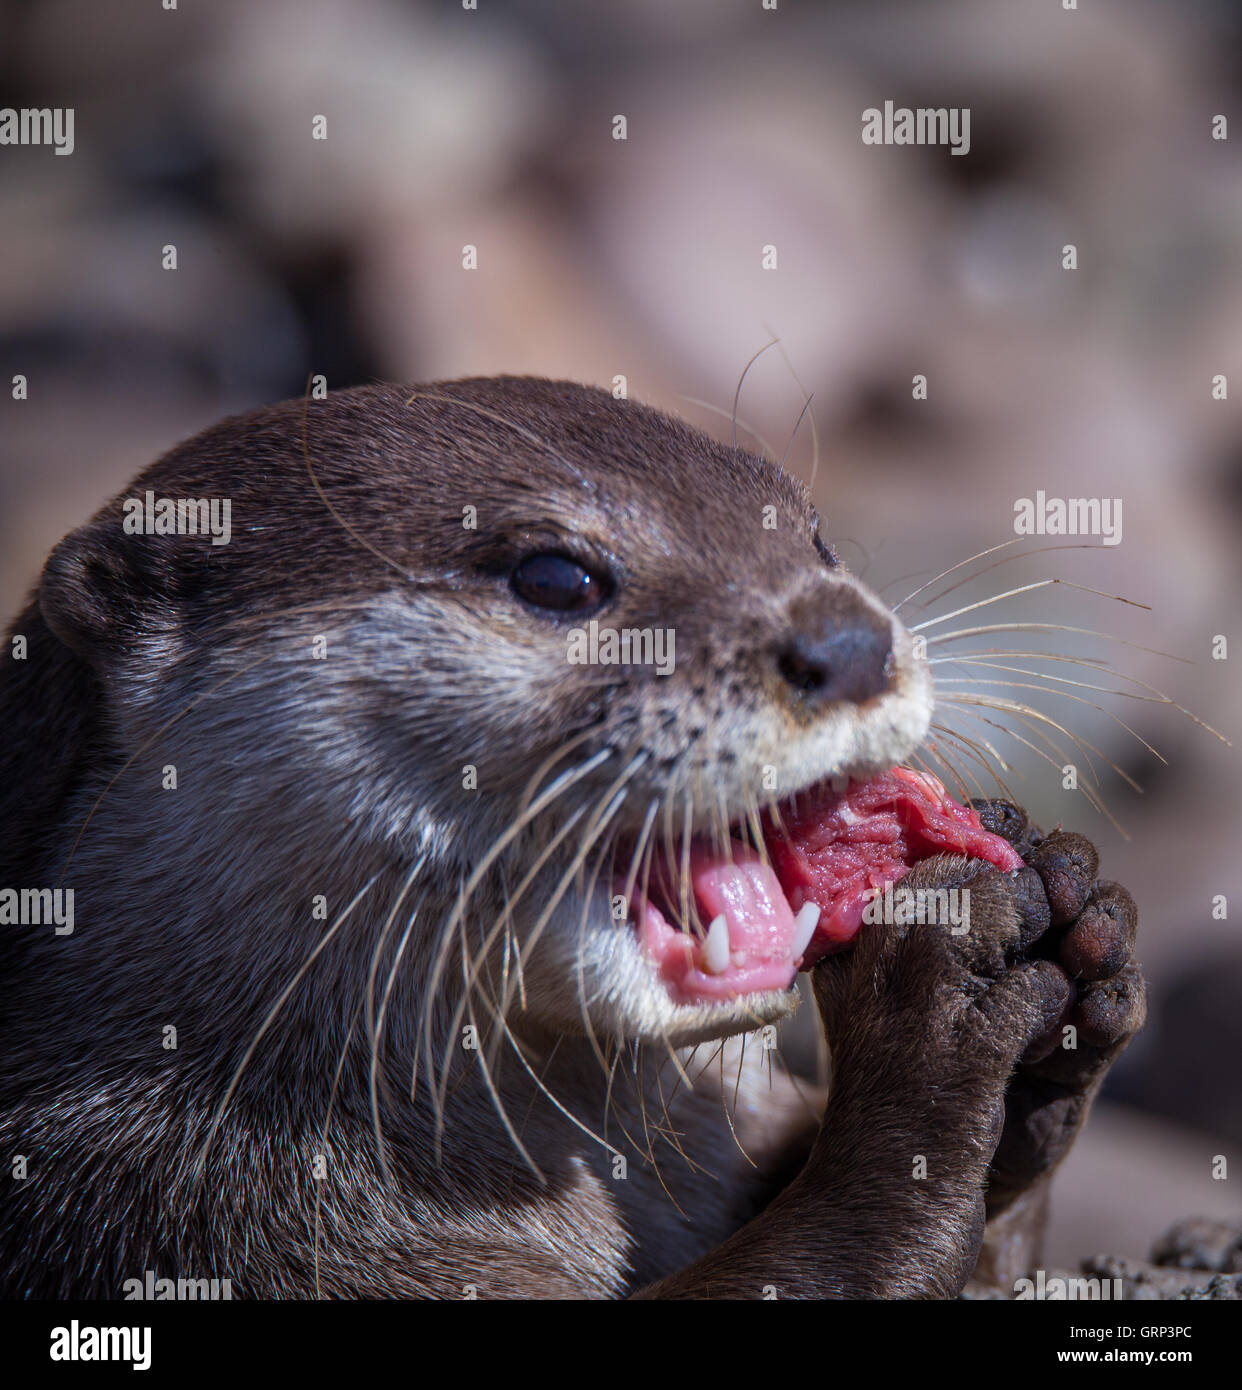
560	650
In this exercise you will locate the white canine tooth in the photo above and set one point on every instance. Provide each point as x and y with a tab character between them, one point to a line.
805	922
716	947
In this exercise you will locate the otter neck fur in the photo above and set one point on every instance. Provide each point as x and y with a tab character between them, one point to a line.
321	907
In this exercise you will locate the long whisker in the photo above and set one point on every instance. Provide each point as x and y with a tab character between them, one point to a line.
536	778
979	749
641	1092
375	1024
499	418
616	795
738	391
1051	627
958	773
327	1125
1155	697
1040	550
724	415
591	835
556	788
669	1130
599	1139
567	879
807	398
505	921
640	850
320	946
1086	785
689	907
1023	589
607	850
793	435
612	1108
1029	712
488	1080
974	715
969	560
1101	665
974	682
535	868
724	1104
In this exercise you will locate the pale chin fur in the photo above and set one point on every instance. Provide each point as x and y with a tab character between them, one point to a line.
588	971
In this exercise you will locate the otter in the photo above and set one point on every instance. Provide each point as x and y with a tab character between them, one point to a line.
349	1008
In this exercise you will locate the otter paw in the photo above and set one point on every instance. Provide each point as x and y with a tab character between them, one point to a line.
943	1006
1088	936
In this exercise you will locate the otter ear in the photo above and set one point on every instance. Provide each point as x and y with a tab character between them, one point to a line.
102	590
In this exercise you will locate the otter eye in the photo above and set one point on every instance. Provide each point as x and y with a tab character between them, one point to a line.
548	580
825	552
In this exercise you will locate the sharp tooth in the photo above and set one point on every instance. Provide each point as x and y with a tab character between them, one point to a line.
805	922
716	947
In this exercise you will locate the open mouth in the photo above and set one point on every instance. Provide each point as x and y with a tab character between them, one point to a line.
718	924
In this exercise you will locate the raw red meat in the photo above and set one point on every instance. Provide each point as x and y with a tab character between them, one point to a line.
830	846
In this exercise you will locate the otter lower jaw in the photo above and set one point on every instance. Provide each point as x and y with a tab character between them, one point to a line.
634	971
589	973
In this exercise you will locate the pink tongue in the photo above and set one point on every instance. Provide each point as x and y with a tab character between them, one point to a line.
758	920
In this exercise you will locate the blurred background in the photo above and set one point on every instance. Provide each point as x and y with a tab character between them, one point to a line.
643	258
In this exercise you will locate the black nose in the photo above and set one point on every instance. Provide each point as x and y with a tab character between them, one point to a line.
839	656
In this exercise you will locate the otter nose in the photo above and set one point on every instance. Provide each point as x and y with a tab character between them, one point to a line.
843	657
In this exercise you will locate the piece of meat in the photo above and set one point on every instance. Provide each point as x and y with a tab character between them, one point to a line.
830	847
